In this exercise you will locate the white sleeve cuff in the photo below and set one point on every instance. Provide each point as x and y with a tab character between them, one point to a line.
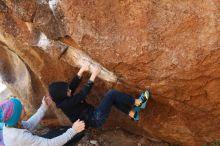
43	107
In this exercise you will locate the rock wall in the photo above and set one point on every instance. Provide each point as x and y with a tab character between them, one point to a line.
169	46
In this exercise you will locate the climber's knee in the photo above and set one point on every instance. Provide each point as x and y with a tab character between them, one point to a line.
112	93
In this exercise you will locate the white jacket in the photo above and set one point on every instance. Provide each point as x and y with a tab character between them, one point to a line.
24	137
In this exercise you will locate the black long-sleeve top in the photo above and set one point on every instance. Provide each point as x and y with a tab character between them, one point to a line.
75	106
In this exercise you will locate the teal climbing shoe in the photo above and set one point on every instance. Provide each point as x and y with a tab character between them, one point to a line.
136	113
144	99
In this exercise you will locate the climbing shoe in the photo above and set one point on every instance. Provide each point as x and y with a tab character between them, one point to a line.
136	113
144	98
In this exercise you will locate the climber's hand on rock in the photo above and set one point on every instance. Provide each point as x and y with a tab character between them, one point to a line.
95	71
85	66
78	126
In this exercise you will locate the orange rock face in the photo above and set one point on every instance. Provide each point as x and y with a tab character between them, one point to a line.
169	46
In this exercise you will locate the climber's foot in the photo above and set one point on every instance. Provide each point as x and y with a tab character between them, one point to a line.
144	99
136	113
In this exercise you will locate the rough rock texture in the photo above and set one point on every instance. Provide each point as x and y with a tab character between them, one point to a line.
169	46
115	137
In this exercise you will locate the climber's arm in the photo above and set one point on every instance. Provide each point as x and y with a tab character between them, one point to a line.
77	98
76	80
88	86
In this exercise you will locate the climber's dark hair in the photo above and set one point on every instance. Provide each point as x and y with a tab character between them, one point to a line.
58	91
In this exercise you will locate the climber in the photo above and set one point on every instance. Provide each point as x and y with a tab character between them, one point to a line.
76	107
19	133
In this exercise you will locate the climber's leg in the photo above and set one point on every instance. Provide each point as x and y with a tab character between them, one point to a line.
121	101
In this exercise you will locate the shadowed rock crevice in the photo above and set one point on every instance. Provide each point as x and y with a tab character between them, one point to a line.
15	74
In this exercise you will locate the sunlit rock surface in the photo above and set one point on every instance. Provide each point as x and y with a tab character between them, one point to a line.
171	47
